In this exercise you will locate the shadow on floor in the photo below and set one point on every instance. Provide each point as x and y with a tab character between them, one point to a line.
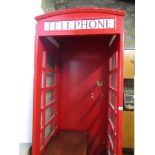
127	151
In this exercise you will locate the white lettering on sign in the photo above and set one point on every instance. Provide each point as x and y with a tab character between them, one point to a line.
79	25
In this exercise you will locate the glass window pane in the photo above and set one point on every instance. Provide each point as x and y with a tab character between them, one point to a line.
112	116
113	80
49	113
48	130
110	152
112	98
50	79
50	96
109	64
50	62
111	133
113	61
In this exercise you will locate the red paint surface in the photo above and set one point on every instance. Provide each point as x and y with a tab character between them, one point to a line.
82	102
82	10
82	61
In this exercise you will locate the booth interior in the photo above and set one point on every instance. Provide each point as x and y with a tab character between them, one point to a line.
79	79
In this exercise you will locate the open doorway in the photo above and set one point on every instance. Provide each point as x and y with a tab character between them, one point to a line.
79	90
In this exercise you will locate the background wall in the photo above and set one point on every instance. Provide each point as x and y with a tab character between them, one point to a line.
127	5
17	32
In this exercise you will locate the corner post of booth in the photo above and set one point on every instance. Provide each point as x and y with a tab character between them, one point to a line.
37	96
121	86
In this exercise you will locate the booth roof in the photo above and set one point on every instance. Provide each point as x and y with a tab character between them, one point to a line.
76	10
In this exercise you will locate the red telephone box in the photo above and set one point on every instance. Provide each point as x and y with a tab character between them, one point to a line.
78	78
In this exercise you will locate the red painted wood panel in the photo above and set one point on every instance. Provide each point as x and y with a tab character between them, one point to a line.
82	102
82	73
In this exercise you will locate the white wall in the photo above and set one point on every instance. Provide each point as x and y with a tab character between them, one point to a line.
17	31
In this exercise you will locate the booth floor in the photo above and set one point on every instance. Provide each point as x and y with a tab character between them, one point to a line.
68	143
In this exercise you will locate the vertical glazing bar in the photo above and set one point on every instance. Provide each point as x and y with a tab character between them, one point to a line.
57	89
114	74
115	101
44	100
108	111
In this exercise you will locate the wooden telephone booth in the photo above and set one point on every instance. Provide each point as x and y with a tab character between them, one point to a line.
78	82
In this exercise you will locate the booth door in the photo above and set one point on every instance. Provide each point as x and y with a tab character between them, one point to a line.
45	111
112	104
